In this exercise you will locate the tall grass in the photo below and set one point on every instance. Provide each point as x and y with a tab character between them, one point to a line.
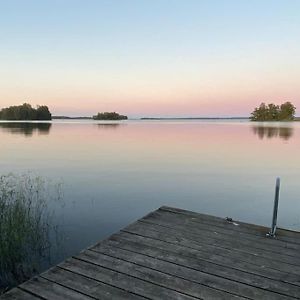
25	226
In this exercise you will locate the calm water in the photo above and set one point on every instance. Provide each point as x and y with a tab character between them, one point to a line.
115	173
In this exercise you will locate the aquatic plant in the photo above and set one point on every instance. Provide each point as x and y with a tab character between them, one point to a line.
25	226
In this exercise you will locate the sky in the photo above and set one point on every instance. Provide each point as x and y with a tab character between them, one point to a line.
150	57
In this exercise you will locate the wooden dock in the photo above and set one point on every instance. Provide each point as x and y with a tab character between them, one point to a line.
177	254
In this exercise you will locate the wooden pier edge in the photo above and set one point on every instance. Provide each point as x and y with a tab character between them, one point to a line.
173	253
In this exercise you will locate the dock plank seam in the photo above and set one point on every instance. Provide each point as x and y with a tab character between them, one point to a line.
231	254
190	268
235	249
226	230
198	250
208	261
270	248
135	277
170	274
114	286
30	293
176	254
211	274
243	226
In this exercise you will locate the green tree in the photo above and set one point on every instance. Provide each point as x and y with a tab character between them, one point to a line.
272	112
25	112
109	116
43	113
287	111
260	113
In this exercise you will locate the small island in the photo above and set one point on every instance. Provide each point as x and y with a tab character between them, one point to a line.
109	116
272	112
25	112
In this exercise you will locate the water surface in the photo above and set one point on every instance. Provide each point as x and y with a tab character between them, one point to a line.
114	173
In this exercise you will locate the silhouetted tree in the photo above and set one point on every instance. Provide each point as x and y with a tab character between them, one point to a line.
25	112
43	113
109	116
272	112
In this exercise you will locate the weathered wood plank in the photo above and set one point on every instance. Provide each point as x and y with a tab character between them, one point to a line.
123	281
281	234
88	286
188	224
197	241
17	294
190	258
206	250
201	278
176	254
228	241
52	291
155	276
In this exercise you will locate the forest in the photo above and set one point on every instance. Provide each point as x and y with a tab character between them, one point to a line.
25	112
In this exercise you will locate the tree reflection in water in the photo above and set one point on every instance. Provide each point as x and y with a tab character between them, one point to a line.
26	224
273	132
26	128
109	125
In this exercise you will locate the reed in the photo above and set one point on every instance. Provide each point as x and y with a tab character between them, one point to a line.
25	226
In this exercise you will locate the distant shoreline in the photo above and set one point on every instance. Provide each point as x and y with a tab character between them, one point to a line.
152	118
196	118
156	118
70	118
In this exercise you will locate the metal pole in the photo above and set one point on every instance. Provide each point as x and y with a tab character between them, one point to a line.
275	209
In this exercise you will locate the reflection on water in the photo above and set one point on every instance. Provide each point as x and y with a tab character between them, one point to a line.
26	226
26	128
109	125
273	132
114	174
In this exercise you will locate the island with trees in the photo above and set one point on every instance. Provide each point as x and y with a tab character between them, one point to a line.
109	116
272	112
25	112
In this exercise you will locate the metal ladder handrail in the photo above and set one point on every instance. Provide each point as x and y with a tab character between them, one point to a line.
275	209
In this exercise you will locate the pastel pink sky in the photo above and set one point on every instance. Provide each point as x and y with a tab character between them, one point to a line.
142	58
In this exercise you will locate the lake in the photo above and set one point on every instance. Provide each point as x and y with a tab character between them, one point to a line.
113	173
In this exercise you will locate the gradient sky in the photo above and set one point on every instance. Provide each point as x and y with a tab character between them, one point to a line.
150	57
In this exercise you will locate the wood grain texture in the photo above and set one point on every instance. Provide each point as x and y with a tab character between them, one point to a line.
176	254
17	293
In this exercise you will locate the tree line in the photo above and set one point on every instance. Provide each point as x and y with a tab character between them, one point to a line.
272	112
25	112
109	116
